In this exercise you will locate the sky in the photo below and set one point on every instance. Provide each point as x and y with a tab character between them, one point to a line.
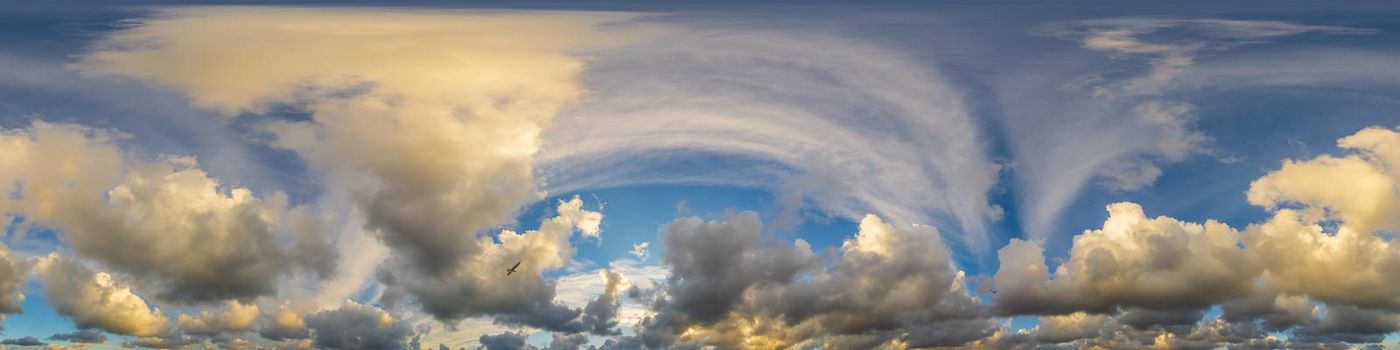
720	175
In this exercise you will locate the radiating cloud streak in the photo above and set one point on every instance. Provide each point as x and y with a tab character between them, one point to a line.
1117	126
854	128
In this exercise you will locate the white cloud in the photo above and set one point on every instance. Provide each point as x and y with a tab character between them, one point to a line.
1161	263
162	221
96	299
235	317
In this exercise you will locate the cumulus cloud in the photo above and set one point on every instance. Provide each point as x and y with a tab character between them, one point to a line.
235	317
165	220
600	315
505	341
731	286
1132	261
479	286
1079	325
428	120
567	342
12	275
358	326
96	300
287	323
1360	196
1321	268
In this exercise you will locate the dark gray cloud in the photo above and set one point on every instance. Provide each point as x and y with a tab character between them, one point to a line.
547	316
600	315
730	284
1349	324
713	263
24	341
505	341
356	326
480	287
1147	318
1277	312
86	336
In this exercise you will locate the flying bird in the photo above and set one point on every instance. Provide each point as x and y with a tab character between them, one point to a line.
512	268
994	291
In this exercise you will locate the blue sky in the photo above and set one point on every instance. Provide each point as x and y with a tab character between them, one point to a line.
993	123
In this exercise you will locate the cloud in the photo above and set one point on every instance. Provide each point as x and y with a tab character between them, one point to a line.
427	120
96	300
285	324
12	276
24	341
816	118
1079	325
505	341
160	342
1135	107
1168	59
600	315
1345	323
731	286
1366	201
236	317
84	336
1355	197
164	221
357	326
1157	276
479	286
567	342
1132	261
588	287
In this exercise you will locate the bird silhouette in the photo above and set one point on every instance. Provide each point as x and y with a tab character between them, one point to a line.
512	268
